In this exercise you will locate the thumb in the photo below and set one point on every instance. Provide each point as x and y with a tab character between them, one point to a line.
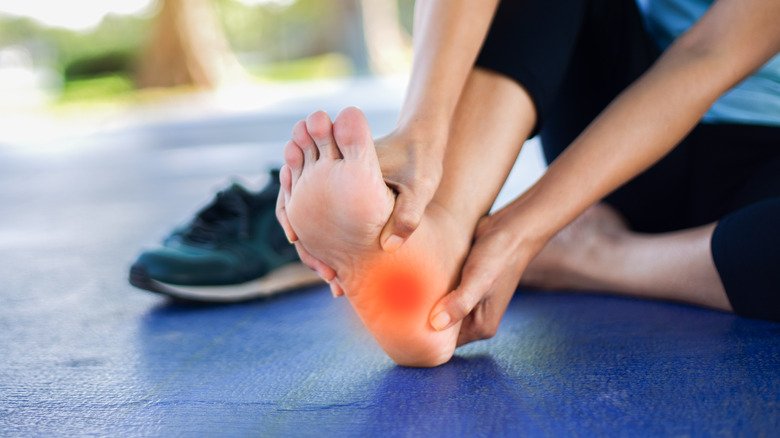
460	302
406	216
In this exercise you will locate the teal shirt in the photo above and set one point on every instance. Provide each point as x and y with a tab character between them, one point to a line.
756	100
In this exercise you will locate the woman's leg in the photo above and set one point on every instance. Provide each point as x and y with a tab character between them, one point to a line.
689	190
727	169
746	250
731	265
599	252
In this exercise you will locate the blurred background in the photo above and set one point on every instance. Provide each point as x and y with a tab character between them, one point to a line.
84	58
224	79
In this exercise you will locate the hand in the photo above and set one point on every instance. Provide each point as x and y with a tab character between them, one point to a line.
489	279
412	166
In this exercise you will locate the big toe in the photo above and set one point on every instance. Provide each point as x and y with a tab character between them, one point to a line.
353	135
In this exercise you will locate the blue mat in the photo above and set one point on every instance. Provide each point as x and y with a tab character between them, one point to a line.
301	365
81	352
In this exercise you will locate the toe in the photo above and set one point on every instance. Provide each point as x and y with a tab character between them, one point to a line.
326	272
285	179
352	134
321	130
302	138
281	212
335	289
293	157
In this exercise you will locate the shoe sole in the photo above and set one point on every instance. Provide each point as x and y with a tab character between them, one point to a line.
287	277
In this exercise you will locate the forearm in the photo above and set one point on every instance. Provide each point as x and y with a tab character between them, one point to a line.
447	37
647	120
641	126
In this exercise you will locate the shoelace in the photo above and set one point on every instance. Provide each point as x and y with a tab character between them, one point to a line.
226	215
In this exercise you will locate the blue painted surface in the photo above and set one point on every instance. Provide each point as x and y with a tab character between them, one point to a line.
81	352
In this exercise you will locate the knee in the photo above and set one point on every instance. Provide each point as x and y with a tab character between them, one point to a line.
746	251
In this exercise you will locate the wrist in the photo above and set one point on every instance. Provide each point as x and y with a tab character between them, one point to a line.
411	145
527	230
430	130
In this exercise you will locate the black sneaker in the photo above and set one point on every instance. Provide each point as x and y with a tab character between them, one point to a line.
233	250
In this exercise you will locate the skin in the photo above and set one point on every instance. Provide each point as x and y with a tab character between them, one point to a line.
734	38
337	204
647	120
447	38
599	252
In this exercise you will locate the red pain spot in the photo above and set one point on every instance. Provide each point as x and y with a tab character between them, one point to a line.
398	287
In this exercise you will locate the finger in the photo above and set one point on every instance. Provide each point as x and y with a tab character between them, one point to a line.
466	335
478	326
335	289
341	288
281	213
484	320
456	305
326	272
406	217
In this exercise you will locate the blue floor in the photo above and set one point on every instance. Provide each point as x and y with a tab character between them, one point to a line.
82	352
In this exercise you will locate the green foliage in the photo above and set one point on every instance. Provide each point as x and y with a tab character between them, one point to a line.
279	32
316	67
406	14
271	32
14	30
118	88
292	41
115	35
96	89
100	64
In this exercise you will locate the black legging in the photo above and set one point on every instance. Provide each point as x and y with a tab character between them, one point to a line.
573	57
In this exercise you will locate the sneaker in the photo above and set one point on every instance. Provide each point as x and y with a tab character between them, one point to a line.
233	250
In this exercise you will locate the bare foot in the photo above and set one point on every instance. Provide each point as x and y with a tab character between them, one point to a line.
565	260
338	206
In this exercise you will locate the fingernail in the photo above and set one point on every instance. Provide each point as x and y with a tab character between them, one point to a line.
440	321
392	243
333	292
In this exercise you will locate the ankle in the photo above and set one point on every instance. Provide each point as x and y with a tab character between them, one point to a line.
603	255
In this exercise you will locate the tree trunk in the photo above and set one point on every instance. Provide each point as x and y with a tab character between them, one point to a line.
187	47
370	34
388	45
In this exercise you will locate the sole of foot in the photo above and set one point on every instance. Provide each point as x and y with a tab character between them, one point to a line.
338	204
